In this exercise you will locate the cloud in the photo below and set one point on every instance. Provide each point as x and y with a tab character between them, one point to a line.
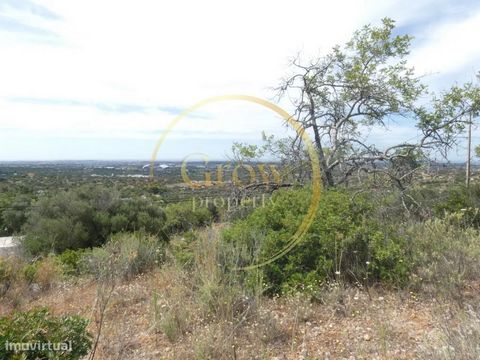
449	46
26	21
122	70
29	7
12	25
123	108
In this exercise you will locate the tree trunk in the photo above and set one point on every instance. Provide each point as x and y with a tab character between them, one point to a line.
326	173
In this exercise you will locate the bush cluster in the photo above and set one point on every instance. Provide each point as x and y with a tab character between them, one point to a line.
443	256
182	217
16	274
86	217
344	241
10	268
460	199
353	239
38	326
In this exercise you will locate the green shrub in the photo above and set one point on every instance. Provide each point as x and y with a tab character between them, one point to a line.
343	242
460	199
71	261
182	248
138	252
38	327
183	217
6	200
29	273
389	260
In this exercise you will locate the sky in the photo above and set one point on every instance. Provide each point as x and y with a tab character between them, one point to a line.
103	79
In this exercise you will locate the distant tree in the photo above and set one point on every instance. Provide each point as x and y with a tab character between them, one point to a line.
293	159
16	214
58	223
86	217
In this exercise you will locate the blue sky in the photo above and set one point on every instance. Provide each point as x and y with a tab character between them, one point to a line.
102	80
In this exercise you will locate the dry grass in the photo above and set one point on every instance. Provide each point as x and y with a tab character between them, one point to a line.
17	288
457	335
205	312
48	273
386	327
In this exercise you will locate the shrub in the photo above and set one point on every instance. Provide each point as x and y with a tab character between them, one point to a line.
45	272
29	273
182	248
38	326
443	257
55	224
6	200
344	241
173	323
460	199
71	261
138	252
458	339
48	272
183	217
10	268
131	254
